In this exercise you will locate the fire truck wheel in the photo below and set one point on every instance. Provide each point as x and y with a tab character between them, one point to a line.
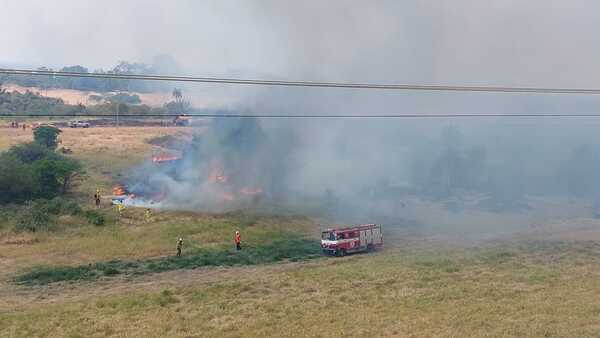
340	253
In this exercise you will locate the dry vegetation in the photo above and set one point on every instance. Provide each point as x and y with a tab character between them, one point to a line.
105	152
71	96
538	281
155	99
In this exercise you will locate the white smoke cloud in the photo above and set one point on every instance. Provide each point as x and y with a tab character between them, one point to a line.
511	43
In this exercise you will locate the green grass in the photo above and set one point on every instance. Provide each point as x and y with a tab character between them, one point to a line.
290	248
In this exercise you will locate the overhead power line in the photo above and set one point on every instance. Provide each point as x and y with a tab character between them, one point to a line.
281	116
350	85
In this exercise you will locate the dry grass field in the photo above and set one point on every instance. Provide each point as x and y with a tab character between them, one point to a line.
155	99
467	274
71	96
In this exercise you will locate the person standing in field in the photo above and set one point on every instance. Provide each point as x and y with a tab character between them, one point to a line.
179	246
238	240
97	197
120	208
148	215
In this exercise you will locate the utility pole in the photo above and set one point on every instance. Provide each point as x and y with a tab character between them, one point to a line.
117	114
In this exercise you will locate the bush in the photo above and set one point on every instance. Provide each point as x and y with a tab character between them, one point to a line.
59	206
31	171
111	272
40	214
71	208
95	218
33	218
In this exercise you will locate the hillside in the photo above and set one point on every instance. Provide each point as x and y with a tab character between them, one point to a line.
456	276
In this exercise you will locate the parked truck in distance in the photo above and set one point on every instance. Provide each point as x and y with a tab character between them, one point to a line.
342	241
79	124
181	120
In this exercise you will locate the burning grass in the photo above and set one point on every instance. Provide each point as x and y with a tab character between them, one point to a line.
286	248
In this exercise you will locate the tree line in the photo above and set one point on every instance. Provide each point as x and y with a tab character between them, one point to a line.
30	103
160	65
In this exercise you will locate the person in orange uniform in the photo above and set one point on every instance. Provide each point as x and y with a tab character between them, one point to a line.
238	240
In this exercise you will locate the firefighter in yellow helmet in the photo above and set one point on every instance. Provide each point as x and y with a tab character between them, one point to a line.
179	246
120	208
97	197
148	215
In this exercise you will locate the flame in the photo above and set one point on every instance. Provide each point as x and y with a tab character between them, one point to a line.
119	190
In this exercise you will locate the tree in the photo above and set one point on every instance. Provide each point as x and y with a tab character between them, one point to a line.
54	176
31	152
31	171
75	82
177	95
47	136
179	105
16	180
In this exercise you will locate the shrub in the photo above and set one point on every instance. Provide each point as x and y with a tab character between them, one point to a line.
31	171
53	206
71	208
59	206
33	218
111	272
40	214
95	218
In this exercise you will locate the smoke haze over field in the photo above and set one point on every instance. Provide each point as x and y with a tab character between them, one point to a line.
537	43
506	42
363	168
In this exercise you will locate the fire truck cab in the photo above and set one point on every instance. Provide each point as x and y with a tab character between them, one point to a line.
341	241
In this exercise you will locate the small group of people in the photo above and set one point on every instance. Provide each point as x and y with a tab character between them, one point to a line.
237	238
15	124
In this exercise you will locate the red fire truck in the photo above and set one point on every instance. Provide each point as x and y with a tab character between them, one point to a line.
340	241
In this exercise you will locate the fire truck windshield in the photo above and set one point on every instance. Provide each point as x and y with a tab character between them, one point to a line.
328	236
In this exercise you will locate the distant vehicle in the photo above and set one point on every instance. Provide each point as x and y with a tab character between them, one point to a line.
181	121
79	124
342	241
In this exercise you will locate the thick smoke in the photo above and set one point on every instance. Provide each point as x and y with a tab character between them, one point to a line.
423	172
491	175
232	164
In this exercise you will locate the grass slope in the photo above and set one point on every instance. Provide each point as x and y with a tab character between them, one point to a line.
533	289
291	248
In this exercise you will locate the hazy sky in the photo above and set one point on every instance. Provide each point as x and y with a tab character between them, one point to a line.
502	42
